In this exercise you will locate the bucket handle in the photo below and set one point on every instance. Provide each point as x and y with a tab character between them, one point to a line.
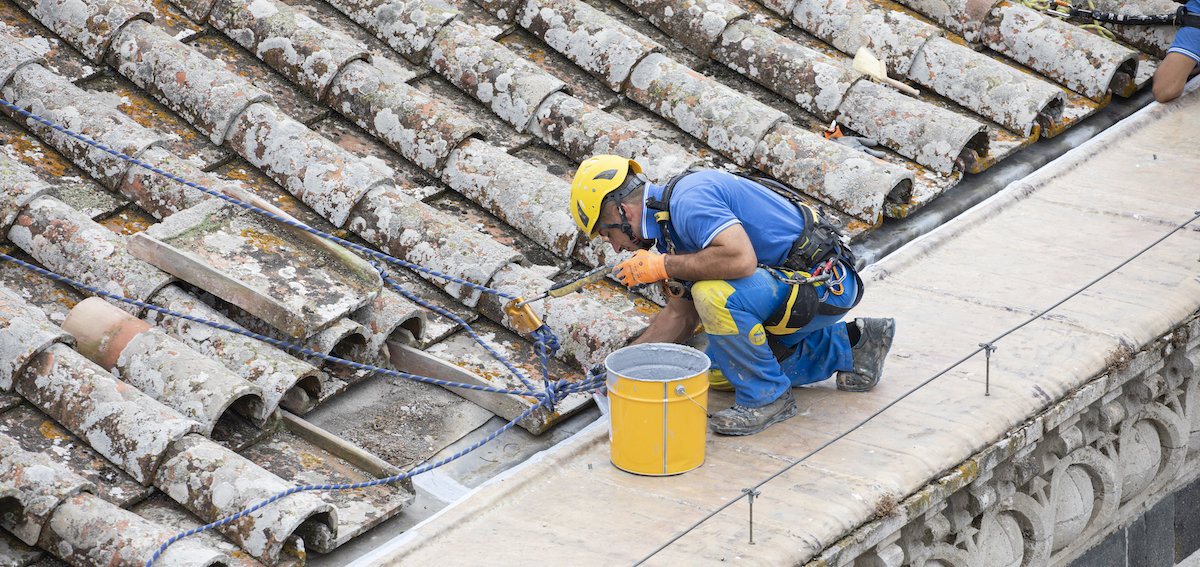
681	391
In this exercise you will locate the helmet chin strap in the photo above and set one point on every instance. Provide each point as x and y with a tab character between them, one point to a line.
643	243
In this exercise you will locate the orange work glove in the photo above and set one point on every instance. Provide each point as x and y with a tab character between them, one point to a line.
643	268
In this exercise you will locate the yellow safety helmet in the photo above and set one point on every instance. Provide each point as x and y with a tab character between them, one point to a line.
594	180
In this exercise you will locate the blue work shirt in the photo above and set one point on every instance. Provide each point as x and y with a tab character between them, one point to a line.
1187	39
707	202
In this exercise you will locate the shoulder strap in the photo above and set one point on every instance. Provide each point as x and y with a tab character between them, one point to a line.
663	216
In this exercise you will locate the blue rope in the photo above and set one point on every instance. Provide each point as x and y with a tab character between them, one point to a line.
544	339
401	476
306	228
271	340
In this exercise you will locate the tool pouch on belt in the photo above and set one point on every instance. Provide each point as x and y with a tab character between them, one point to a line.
803	303
819	241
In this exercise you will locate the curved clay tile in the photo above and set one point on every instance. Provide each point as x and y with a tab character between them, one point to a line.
67	242
208	96
120	422
165	369
1152	39
87	26
1072	56
324	176
387	314
409	26
529	199
600	45
512	87
580	130
274	371
214	482
697	24
728	121
86	531
35	89
20	187
410	122
305	52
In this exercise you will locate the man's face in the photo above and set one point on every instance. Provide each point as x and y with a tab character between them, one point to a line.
613	236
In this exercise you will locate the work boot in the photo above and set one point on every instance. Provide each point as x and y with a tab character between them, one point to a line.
741	420
874	341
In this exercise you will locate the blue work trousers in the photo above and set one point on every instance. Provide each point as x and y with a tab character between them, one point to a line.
733	312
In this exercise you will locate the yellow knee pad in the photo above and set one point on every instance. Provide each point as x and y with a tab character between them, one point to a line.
717	381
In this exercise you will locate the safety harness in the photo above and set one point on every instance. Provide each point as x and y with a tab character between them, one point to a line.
818	255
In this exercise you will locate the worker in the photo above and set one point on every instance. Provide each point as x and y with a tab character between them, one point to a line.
734	243
1182	60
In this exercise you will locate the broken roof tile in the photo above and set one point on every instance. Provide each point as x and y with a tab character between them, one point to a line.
54	298
24	332
41	485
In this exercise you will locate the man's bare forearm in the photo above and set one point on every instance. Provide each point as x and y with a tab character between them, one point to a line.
674	324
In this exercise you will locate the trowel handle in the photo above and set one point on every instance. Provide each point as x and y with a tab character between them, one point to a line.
563	288
902	86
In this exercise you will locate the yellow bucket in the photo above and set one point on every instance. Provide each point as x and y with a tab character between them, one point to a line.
657	395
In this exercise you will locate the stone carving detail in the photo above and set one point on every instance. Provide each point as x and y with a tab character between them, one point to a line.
1061	482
